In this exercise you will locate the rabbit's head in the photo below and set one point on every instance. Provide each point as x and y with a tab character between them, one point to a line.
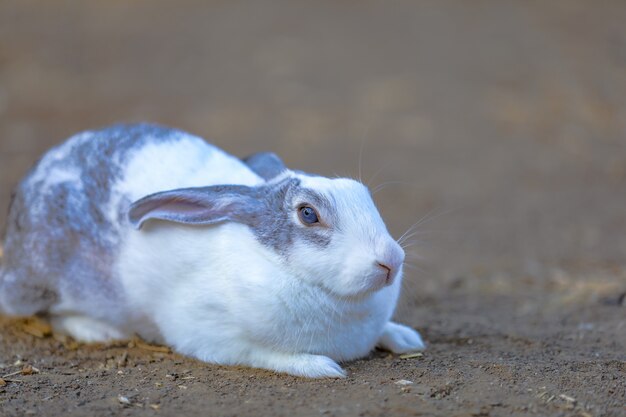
325	231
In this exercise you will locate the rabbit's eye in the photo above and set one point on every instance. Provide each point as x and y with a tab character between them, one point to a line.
308	215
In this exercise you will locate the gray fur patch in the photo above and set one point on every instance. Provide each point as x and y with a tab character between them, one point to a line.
276	227
266	165
57	232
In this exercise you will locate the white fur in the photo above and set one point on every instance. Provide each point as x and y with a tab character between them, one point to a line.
356	249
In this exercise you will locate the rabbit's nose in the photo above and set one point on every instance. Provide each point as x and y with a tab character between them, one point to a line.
387	272
390	260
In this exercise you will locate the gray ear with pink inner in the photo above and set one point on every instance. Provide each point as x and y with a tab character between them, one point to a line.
200	206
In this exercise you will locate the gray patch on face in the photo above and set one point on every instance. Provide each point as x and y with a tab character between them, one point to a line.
277	228
58	234
317	239
266	165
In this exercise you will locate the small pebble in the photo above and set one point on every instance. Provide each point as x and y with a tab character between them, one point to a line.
123	400
404	382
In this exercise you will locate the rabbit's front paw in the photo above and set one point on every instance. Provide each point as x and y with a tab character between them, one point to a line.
304	364
400	339
317	366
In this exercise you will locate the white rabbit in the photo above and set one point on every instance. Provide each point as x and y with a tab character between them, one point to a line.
141	229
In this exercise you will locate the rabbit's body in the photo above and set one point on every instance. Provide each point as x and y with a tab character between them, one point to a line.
84	186
225	273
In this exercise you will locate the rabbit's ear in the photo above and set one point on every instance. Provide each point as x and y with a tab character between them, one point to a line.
200	206
266	165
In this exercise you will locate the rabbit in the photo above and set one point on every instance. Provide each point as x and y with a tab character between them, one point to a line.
146	230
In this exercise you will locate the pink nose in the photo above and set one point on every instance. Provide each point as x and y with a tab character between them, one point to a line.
391	261
388	272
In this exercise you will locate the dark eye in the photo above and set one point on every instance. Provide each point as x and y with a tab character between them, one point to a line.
308	215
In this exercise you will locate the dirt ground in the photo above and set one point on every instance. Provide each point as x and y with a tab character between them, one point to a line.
502	123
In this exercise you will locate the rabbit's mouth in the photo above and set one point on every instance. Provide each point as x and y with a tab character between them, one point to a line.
356	297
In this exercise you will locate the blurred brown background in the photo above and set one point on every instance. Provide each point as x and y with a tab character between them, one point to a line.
512	116
504	123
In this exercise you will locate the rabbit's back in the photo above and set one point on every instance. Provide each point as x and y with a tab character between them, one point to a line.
68	215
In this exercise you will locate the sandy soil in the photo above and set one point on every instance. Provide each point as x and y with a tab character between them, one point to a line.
503	124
